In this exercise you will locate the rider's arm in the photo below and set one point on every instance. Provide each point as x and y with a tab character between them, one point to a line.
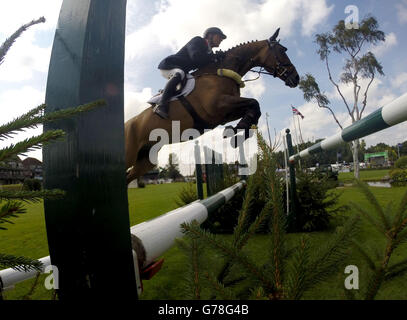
199	51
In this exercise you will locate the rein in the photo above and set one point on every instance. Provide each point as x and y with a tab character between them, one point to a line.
279	70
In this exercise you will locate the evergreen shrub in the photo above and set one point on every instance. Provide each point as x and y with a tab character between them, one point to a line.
401	163
317	203
398	177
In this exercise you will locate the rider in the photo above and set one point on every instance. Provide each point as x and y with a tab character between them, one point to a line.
195	54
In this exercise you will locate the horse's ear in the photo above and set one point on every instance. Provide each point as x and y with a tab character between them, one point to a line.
274	36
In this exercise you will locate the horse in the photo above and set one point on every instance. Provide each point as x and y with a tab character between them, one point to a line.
214	101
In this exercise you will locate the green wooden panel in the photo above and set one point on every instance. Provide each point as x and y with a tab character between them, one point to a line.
89	230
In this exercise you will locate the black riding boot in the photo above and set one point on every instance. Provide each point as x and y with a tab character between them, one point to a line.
169	90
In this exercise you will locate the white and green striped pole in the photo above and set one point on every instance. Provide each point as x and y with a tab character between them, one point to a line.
155	236
391	114
159	234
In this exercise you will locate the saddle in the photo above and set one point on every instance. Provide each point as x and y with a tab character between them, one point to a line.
185	88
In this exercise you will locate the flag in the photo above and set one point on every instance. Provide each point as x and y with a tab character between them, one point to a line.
295	111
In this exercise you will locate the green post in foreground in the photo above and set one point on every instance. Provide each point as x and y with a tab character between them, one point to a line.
88	231
198	171
293	191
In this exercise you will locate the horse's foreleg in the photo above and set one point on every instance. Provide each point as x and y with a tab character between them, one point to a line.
247	109
141	167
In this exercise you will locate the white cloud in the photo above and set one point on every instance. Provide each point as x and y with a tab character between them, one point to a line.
402	12
313	14
400	80
18	12
378	95
135	101
23	59
176	21
254	89
383	47
26	55
14	103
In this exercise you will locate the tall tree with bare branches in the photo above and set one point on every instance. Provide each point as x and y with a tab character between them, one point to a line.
359	64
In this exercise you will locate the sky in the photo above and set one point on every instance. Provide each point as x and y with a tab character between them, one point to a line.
158	28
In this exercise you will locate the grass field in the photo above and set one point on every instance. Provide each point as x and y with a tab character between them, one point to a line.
27	237
365	175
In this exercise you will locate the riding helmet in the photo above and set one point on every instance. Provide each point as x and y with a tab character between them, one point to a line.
214	30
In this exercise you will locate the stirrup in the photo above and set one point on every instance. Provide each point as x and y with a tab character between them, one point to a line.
157	110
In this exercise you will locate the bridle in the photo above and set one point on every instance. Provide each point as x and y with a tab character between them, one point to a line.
279	70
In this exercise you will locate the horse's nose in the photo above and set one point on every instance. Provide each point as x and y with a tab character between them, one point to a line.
293	81
297	80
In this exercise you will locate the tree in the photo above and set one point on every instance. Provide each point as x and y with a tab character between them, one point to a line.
288	270
358	65
170	171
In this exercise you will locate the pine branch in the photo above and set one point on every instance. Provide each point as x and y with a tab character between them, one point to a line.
33	287
401	237
35	117
365	255
375	284
240	243
256	225
243	219
19	263
222	292
368	217
372	199
277	222
9	42
193	250
332	253
396	269
230	253
18	124
195	269
31	144
400	213
32	196
296	283
10	210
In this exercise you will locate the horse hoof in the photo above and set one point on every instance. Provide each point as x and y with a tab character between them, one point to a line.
233	142
227	132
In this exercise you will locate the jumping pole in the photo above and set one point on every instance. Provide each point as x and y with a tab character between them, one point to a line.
391	114
154	237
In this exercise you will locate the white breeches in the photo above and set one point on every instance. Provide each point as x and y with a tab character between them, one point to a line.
168	74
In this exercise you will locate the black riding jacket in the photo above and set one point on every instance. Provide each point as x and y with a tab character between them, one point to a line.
195	54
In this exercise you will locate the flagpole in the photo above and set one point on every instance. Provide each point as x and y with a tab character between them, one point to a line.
299	128
268	129
296	138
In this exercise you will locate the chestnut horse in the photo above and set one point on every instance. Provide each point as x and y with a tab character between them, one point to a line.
215	100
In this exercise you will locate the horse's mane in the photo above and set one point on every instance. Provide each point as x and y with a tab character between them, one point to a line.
211	67
244	44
